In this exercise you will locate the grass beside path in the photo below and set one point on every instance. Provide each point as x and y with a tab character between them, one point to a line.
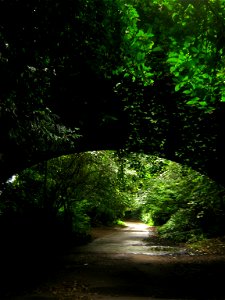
214	246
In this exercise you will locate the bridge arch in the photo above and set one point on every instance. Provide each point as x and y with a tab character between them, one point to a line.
160	126
46	62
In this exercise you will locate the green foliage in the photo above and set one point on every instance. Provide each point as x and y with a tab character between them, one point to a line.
120	223
182	227
80	219
188	45
136	46
142	41
71	193
75	192
90	179
186	204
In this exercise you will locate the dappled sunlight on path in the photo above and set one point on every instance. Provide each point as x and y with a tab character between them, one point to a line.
131	239
136	226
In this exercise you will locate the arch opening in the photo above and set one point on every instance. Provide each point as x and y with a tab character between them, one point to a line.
101	187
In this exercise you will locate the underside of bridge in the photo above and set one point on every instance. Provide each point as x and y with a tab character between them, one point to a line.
160	126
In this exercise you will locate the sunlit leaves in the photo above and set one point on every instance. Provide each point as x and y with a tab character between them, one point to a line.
190	66
190	37
186	203
195	57
136	45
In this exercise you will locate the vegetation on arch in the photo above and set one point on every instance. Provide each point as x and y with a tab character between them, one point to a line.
188	39
127	54
58	45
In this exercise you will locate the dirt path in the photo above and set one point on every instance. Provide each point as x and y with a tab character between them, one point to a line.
130	240
117	265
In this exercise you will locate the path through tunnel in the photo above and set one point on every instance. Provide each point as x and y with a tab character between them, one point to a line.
121	261
104	270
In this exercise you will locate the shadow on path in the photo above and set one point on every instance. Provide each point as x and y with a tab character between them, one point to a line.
123	265
120	265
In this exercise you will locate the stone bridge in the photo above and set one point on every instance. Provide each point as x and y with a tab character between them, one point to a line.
45	57
160	126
